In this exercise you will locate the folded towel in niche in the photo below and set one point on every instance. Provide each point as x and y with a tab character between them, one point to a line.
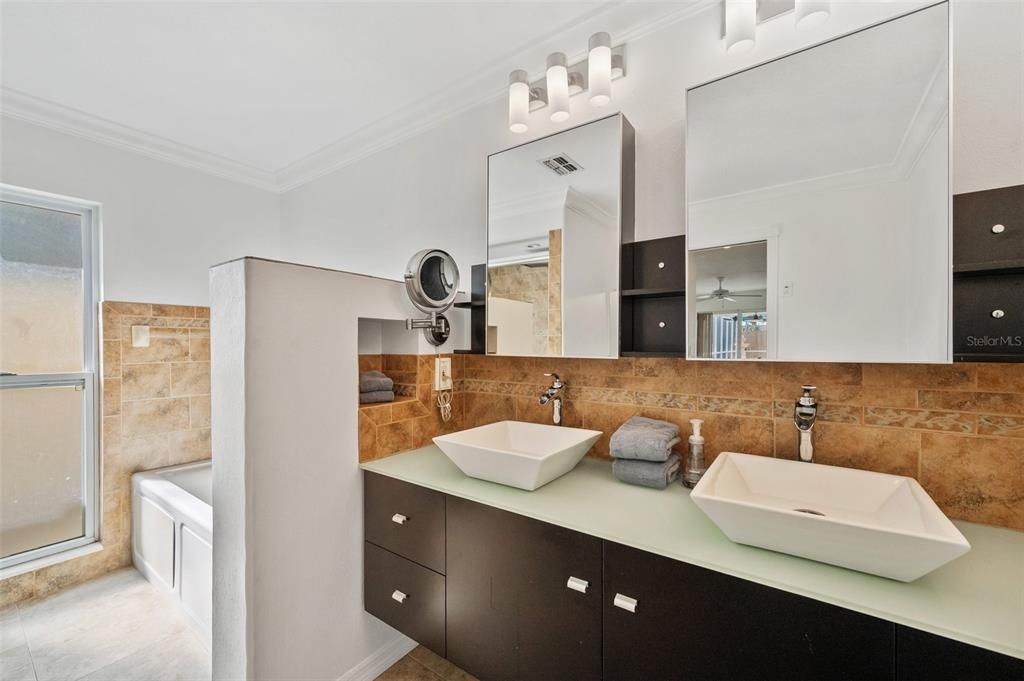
377	396
374	381
657	474
644	439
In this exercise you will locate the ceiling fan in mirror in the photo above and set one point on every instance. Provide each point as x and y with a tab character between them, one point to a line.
722	293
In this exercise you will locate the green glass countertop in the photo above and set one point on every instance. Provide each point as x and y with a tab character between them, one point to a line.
978	598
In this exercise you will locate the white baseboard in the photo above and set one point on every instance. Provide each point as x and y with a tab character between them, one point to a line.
377	662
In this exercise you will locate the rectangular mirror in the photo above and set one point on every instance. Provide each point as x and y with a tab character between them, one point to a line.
558	210
818	225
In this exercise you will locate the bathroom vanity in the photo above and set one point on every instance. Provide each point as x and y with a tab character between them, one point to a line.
587	578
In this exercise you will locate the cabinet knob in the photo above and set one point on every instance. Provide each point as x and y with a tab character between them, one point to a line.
399	596
661	265
624	602
998	314
577	584
998	229
399	519
661	325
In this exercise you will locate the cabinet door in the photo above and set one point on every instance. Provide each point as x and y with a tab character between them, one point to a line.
511	614
921	656
691	623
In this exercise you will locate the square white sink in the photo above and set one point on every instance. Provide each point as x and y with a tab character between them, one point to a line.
523	455
885	525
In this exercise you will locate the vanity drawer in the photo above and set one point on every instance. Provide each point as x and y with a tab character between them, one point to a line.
405	595
978	240
979	330
405	519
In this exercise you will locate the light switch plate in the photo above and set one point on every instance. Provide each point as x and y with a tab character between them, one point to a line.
140	336
443	373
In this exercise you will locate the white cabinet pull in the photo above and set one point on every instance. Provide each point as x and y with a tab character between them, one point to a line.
998	229
624	602
577	584
398	518
399	596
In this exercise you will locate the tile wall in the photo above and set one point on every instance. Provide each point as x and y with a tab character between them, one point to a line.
156	412
958	429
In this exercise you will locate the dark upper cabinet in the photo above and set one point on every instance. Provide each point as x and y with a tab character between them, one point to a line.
988	229
511	613
926	657
691	623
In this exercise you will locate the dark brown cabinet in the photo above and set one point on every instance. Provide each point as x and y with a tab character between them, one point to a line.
926	657
512	613
517	599
685	622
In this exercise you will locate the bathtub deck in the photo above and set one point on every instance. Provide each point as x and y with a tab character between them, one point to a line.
114	628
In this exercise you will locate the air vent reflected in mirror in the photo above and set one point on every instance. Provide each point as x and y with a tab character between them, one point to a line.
561	164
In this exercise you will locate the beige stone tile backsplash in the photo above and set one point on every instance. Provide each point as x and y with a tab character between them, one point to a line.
958	429
155	412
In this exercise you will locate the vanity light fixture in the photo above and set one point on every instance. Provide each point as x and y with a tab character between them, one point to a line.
599	68
811	13
740	25
518	101
562	81
558	86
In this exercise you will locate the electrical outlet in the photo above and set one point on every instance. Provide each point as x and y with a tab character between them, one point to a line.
787	289
442	373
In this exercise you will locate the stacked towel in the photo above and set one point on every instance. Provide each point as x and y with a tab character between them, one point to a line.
642	449
375	387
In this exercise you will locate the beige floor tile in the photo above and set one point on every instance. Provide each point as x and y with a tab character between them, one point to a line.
440	666
408	669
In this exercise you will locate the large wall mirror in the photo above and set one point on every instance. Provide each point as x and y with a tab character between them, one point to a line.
817	186
558	209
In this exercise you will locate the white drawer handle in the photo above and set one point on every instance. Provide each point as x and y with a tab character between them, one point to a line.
624	602
399	518
399	596
998	229
577	584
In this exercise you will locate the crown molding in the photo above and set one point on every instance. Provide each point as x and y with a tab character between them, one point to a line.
21	106
485	86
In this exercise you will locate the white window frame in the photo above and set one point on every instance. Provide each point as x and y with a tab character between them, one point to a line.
86	379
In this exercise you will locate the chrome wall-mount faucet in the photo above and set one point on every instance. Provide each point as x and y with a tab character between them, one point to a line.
553	395
804	415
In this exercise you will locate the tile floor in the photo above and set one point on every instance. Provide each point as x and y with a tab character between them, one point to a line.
114	628
424	665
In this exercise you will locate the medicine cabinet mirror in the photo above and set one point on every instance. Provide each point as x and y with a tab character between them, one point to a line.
817	186
558	211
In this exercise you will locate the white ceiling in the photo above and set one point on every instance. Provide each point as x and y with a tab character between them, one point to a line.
261	88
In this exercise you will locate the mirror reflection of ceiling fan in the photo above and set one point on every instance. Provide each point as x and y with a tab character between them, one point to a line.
722	293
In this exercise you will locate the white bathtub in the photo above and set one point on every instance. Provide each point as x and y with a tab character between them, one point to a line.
172	536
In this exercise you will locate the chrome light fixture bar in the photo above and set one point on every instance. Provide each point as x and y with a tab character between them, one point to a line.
563	81
740	18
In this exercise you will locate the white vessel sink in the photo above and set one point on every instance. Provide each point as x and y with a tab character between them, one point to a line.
523	455
881	524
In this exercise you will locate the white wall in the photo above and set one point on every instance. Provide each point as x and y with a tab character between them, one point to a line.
430	189
288	575
163	224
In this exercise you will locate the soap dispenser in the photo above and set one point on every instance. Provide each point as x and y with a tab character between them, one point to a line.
695	466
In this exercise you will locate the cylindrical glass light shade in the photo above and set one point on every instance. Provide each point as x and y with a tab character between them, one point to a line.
518	101
558	87
740	25
599	69
810	13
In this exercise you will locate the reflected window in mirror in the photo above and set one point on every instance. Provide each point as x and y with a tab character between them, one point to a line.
730	291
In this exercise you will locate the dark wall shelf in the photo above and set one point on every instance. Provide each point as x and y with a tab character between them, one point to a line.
988	275
652	318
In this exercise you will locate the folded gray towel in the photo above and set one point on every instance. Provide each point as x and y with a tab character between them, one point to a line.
377	396
644	439
657	474
373	381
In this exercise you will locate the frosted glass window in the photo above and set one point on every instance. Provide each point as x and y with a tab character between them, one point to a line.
41	290
41	485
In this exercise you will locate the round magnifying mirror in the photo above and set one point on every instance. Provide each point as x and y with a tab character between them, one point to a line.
432	280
